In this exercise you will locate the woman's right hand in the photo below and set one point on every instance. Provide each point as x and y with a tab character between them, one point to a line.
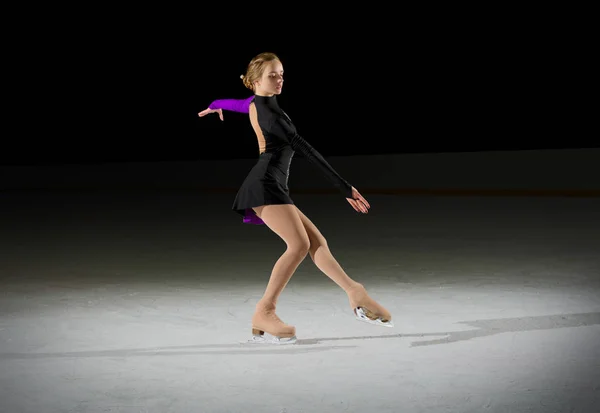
358	202
207	111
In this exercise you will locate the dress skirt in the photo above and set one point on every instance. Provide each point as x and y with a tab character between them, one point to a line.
265	184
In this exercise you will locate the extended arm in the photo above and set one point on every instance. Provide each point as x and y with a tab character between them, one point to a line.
234	105
299	144
358	202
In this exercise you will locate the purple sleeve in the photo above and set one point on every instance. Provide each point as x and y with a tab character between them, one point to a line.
234	105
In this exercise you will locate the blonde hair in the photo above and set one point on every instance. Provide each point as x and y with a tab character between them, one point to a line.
256	68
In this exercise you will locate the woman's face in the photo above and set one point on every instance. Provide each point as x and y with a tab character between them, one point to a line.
271	81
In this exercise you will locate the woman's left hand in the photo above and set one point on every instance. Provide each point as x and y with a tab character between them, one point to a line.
358	202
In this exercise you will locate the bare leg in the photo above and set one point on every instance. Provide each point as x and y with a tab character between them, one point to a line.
324	260
285	222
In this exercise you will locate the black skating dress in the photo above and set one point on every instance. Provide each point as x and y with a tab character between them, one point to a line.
267	181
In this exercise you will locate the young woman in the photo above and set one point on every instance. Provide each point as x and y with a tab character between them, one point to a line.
264	198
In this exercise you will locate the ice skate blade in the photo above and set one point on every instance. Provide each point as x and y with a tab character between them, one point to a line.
367	317
262	339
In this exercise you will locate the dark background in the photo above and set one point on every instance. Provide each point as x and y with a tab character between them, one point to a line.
109	86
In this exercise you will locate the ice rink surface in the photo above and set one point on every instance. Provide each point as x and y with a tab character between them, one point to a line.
139	302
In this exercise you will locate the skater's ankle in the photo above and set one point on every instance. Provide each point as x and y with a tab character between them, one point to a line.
353	287
266	305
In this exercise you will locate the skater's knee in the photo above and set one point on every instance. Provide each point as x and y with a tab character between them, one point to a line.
299	247
316	244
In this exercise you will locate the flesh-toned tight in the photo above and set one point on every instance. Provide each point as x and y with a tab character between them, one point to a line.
302	237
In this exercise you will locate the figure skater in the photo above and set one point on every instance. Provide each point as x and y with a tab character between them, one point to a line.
264	198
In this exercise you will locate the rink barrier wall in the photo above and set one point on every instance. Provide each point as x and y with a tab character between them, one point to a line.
564	172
